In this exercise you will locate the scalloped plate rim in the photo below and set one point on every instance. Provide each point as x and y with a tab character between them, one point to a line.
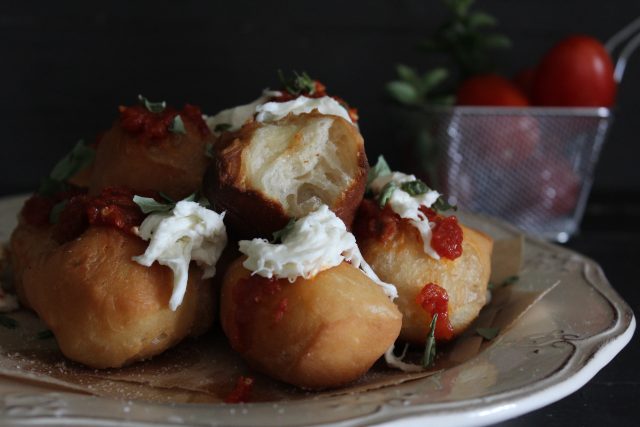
603	347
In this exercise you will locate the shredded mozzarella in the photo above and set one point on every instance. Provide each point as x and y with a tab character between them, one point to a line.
316	242
188	232
269	111
272	111
396	362
408	206
238	116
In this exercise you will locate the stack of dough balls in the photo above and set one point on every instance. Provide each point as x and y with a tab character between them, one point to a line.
327	330
319	332
324	331
104	309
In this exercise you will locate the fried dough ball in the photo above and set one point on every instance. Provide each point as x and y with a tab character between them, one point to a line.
267	173
397	256
105	310
316	333
142	153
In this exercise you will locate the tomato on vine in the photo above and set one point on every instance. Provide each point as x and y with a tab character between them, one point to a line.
576	72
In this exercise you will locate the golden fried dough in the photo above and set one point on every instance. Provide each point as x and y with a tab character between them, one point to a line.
267	173
104	309
316	333
400	259
174	165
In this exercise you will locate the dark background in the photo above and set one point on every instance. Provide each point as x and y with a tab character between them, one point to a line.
66	66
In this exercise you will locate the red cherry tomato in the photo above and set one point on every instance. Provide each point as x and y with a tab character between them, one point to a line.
503	141
577	72
500	141
524	80
555	187
490	89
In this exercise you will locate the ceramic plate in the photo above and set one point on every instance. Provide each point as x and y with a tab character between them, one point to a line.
559	345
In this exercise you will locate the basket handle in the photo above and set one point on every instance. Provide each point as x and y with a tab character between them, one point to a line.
630	34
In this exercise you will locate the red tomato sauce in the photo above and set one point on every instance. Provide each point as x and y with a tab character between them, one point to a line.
447	236
374	223
148	126
242	392
434	300
382	224
36	210
114	207
247	295
319	92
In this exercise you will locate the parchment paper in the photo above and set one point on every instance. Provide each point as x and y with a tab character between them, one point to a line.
206	369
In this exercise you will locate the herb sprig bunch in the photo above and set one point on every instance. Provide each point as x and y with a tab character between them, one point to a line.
152	107
429	355
177	124
76	160
467	44
150	205
298	84
414	188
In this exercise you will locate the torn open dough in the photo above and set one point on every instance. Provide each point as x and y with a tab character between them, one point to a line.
268	173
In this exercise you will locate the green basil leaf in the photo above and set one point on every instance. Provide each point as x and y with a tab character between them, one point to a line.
281	234
166	197
49	187
54	215
149	205
429	355
8	322
441	205
463	39
79	158
204	202
222	127
481	19
191	197
283	81
307	83
380	169
154	107
403	92
177	125
433	78
414	188
386	193
488	333
299	83
76	160
459	7
408	74
495	41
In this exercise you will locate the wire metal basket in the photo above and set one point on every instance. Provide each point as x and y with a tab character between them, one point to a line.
530	166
